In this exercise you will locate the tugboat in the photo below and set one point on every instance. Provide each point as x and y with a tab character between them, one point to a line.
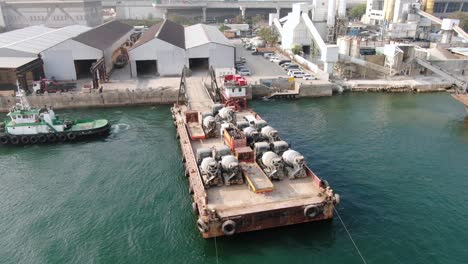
26	125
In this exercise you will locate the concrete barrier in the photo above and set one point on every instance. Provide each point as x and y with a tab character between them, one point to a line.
105	99
315	90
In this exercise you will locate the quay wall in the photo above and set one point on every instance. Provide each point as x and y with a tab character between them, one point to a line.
420	88
105	99
315	90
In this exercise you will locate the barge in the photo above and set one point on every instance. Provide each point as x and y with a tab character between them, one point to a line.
242	176
462	98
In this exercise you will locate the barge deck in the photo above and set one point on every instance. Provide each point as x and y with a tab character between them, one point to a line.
255	201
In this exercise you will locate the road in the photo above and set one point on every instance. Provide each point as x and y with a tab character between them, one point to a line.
258	65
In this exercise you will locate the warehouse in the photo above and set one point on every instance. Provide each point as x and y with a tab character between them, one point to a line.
21	53
207	47
164	49
73	59
159	51
108	38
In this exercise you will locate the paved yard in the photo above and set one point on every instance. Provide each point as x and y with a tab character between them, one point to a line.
258	65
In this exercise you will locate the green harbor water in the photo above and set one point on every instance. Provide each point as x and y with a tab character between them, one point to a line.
399	161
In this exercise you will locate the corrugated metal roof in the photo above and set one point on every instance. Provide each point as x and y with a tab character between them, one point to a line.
15	62
105	35
460	51
201	34
167	31
148	35
36	39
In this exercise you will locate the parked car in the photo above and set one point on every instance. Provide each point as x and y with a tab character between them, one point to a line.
256	53
309	77
274	59
281	62
284	65
297	74
290	71
292	67
244	72
267	55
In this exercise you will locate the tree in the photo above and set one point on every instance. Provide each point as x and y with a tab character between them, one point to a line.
296	49
182	20
256	19
463	17
358	11
269	35
223	27
238	19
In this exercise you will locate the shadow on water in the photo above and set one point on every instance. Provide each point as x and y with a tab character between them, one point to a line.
315	235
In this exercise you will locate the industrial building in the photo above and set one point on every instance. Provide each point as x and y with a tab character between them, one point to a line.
207	47
404	44
20	53
15	14
68	53
379	10
159	51
164	49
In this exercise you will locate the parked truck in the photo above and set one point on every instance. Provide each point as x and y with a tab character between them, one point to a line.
52	86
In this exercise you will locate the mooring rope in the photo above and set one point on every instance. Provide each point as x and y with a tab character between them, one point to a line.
216	250
349	234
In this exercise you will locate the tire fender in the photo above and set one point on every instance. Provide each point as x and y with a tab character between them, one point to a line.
202	226
14	140
25	139
312	211
229	227
3	140
62	137
195	208
71	136
33	140
42	138
336	199
51	137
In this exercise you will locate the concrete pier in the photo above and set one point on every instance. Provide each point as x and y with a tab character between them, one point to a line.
105	99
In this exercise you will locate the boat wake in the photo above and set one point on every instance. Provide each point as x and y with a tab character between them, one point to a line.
117	128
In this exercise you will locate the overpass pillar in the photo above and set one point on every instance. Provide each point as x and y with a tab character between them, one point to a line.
204	14
242	9
278	12
164	11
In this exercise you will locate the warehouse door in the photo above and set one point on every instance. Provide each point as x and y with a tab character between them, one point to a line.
200	65
83	68
146	67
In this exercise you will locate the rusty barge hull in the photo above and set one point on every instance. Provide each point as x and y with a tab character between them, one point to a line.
462	98
291	201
